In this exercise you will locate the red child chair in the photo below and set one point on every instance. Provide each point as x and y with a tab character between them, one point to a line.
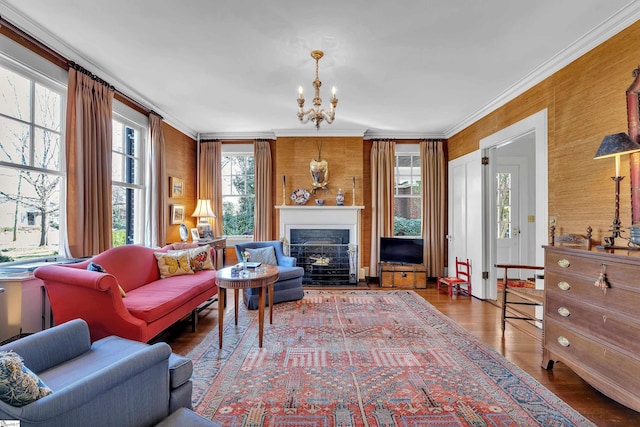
462	277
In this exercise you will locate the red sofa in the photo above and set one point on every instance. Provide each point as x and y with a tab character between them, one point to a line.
151	304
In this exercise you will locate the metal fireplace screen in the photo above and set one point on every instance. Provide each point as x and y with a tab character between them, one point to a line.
326	256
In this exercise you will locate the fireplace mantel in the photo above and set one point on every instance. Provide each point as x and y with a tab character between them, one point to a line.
320	217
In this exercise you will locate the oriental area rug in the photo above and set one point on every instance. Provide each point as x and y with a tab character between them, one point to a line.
364	358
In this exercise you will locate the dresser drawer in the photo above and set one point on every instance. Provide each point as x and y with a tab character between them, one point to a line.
610	371
609	326
587	265
616	298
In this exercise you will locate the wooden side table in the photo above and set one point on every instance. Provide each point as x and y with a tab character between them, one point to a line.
225	281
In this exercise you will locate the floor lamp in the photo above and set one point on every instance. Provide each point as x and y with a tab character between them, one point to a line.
615	146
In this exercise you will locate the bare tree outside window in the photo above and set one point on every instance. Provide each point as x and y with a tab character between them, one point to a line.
30	166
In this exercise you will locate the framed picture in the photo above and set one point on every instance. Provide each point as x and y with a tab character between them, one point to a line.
177	214
195	236
176	187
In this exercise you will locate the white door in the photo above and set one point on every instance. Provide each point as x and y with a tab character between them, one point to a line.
466	216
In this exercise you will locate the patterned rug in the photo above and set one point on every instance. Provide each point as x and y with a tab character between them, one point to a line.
364	358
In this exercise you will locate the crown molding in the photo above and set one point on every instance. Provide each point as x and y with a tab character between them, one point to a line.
237	135
612	26
378	134
309	131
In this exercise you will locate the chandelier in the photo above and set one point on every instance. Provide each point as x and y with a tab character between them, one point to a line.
315	113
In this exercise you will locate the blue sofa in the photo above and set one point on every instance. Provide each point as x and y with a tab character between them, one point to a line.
112	382
289	284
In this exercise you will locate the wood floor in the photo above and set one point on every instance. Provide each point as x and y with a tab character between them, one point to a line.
483	320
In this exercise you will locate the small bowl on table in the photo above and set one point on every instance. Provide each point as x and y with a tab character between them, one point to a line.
320	202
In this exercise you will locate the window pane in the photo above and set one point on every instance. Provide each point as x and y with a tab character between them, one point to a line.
48	108
117	167
127	176
14	142
117	134
408	196
15	95
46	150
29	214
238	188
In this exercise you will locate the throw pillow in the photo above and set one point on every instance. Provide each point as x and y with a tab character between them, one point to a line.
173	264
200	258
97	267
265	255
18	385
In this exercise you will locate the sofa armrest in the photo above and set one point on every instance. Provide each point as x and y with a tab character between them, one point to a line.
93	386
52	346
77	277
287	261
92	296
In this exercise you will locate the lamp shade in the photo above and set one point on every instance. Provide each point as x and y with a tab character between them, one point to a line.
203	209
616	144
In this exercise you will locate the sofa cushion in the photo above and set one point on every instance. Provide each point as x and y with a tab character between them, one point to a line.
266	255
18	385
157	299
175	263
97	267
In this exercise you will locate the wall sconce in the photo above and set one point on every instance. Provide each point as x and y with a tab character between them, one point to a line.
615	146
204	211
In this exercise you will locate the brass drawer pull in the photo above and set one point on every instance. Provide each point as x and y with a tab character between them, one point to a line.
563	341
564	263
564	286
564	311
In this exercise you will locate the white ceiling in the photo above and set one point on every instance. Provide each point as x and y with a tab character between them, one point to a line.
411	68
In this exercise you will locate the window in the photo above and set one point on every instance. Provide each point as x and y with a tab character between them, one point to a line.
31	174
503	203
127	182
238	190
407	215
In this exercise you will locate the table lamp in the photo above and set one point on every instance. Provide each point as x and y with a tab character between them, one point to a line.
615	146
204	211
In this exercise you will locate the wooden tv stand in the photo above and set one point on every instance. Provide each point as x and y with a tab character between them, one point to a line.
400	275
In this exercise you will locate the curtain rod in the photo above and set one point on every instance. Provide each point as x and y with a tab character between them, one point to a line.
58	59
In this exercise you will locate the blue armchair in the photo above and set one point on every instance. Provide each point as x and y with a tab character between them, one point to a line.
112	382
289	284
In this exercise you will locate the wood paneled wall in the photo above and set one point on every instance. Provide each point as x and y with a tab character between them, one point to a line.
348	158
181	163
585	101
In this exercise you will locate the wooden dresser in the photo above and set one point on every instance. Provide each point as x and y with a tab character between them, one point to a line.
595	331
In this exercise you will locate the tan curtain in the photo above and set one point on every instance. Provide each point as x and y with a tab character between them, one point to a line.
156	207
88	157
382	186
211	180
434	193
264	200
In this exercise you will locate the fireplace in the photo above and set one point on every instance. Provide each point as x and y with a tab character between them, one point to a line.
318	233
326	256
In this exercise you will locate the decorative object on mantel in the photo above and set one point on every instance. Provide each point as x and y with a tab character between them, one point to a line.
340	197
615	146
320	202
319	170
284	190
353	201
300	196
204	211
315	113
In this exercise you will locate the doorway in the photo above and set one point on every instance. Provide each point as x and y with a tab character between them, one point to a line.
472	213
520	149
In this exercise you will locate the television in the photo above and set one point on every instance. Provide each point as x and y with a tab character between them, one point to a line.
401	250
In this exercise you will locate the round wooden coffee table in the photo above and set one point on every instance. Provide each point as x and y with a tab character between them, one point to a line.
225	281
